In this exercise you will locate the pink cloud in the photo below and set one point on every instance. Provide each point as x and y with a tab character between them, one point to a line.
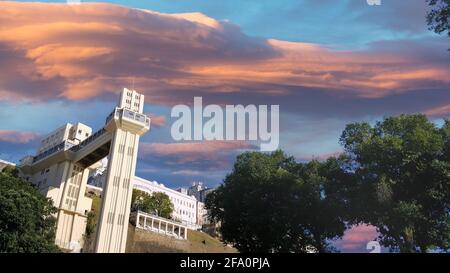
88	50
194	152
356	238
17	137
440	111
199	148
157	121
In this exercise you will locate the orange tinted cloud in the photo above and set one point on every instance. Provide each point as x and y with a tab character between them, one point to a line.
438	111
17	137
216	153
83	51
200	148
157	121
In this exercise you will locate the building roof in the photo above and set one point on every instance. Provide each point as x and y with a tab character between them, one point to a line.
161	186
7	162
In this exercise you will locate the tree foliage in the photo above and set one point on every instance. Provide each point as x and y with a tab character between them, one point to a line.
394	175
402	168
270	203
438	17
26	221
158	203
91	224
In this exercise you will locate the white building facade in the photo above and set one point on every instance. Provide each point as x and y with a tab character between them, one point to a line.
186	207
4	164
74	133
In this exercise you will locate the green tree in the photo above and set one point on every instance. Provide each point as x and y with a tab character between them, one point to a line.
157	203
11	171
438	17
325	195
270	203
140	201
402	169
26	221
91	224
161	205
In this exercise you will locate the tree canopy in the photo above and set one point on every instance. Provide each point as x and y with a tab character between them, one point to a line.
394	175
158	203
26	221
438	17
402	167
270	203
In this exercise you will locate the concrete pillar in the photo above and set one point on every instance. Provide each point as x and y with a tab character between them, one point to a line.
113	224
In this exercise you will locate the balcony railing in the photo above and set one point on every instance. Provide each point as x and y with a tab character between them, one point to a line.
68	145
126	113
88	140
65	145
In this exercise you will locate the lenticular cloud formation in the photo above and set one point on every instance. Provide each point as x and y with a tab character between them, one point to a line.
78	52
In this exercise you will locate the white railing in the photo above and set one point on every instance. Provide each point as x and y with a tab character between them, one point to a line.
161	225
128	114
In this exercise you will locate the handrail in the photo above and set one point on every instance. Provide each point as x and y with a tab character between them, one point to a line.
124	112
88	140
66	145
54	149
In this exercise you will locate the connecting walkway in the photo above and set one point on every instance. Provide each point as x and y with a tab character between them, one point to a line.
161	225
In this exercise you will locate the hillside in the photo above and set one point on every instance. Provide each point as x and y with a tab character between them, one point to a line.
140	241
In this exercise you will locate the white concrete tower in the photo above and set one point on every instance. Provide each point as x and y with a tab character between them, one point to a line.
126	125
60	171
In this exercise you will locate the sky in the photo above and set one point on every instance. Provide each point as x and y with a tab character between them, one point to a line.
326	63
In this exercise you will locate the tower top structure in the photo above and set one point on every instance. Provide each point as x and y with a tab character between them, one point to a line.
132	100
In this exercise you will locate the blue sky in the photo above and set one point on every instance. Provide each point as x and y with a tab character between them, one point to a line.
344	24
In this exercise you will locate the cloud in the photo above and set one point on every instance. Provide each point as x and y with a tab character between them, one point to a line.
356	239
15	144
191	151
157	121
180	163
211	156
17	137
187	173
78	52
103	46
438	111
